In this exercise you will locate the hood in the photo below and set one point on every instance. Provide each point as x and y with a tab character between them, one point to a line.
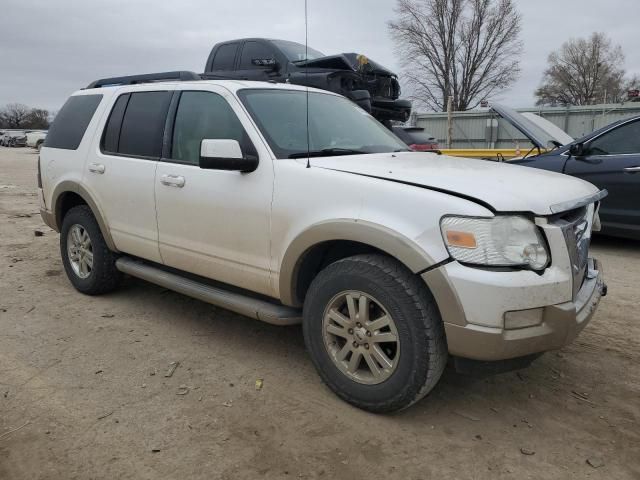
499	186
562	137
345	61
540	137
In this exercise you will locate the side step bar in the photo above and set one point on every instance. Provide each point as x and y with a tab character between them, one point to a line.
236	302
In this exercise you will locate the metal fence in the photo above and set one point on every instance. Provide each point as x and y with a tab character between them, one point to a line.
473	129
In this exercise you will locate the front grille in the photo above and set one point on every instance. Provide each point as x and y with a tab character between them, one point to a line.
576	227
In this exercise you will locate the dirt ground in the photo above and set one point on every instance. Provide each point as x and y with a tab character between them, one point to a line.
84	391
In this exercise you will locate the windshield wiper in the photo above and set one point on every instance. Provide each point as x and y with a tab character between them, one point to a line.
327	152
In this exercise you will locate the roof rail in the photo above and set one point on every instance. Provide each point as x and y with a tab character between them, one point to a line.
181	76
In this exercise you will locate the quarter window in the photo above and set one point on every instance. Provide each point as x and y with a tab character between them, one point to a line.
624	139
72	121
204	115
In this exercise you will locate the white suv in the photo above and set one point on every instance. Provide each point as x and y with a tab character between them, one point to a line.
392	260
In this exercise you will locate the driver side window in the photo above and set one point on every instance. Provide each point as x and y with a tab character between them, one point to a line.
621	140
256	55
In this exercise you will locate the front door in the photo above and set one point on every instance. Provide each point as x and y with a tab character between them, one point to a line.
213	223
613	162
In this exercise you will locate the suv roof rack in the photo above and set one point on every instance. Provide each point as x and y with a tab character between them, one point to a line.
179	75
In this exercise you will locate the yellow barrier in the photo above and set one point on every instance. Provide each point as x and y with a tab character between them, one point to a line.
493	153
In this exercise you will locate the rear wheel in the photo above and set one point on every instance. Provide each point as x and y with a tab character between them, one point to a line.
88	262
374	333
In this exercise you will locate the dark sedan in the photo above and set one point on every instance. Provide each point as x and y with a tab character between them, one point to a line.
609	158
417	139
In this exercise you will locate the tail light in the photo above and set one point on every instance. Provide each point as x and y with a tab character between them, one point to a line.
39	174
424	147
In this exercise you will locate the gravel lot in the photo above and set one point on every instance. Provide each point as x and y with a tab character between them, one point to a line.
84	391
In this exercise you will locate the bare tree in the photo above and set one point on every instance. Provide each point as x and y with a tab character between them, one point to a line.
468	49
584	71
17	115
14	115
38	118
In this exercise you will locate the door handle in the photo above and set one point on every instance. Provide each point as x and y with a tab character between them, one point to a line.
172	180
632	169
96	168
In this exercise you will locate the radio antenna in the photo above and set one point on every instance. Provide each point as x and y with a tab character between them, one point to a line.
306	76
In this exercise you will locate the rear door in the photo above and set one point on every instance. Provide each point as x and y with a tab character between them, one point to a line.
121	168
613	162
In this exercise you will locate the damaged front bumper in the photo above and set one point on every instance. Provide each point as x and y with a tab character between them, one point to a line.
560	324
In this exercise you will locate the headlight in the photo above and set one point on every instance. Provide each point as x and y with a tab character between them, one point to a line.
502	241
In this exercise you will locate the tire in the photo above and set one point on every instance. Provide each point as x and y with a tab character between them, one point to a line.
102	276
418	354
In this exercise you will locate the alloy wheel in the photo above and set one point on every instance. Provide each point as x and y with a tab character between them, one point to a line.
80	251
361	337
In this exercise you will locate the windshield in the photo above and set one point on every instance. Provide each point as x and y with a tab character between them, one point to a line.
295	52
336	125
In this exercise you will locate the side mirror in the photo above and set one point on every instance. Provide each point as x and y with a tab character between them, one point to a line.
225	155
577	150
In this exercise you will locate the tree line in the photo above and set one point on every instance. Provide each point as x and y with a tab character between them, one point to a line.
19	116
470	50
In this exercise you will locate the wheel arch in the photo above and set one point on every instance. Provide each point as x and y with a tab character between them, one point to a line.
329	241
69	194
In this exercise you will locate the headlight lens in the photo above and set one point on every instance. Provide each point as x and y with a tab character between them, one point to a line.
501	241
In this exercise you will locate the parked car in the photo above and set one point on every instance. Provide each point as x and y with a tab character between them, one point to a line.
417	139
391	259
35	138
609	158
5	136
369	84
15	138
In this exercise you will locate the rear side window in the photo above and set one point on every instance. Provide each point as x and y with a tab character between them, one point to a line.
72	121
225	57
255	54
143	124
112	130
205	115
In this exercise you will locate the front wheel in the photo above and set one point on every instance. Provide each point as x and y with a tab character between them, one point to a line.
374	333
88	262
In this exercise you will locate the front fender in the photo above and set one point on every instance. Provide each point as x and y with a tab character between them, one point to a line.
375	235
